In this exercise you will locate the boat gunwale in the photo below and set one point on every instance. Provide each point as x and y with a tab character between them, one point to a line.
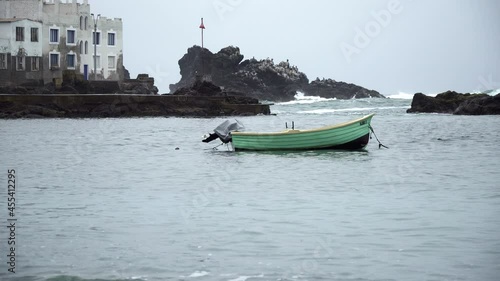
290	132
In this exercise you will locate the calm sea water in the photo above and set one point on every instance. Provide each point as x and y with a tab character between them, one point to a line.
145	199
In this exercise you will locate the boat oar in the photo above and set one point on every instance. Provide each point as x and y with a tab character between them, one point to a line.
379	143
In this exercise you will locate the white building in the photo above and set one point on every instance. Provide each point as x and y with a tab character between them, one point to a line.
20	50
66	37
109	47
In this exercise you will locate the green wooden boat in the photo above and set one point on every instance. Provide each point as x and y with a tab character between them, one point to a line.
353	134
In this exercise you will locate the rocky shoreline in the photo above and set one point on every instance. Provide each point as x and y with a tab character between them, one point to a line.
456	103
203	99
139	97
219	84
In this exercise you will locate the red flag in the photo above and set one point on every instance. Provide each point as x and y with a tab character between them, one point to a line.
202	26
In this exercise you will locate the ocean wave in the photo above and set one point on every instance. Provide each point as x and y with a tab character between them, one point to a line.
197	274
407	96
245	278
401	95
493	92
300	98
76	278
331	110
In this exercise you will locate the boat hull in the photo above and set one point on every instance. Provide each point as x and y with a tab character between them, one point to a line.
350	135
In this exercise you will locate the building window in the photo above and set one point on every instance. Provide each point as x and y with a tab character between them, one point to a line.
71	37
34	34
19	33
98	61
20	62
86	22
35	63
54	36
86	47
81	23
111	39
81	47
111	62
54	61
71	61
3	61
96	38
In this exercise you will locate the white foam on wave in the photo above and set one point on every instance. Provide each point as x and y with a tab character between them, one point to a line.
330	110
401	95
197	274
300	98
244	278
407	96
494	92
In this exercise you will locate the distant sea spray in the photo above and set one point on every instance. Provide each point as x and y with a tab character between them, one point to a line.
403	95
301	98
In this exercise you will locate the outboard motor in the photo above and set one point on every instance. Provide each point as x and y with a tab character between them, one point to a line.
223	131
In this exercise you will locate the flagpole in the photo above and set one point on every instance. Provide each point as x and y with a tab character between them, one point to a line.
202	27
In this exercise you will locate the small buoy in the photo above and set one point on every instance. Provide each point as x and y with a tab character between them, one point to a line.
177	148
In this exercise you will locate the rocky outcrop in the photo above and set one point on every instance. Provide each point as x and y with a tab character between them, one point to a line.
456	103
487	105
208	89
328	88
261	79
142	85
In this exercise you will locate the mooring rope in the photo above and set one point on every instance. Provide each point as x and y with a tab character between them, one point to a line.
215	148
227	146
379	143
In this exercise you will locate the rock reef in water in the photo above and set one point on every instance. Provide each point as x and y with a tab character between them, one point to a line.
456	103
328	88
261	79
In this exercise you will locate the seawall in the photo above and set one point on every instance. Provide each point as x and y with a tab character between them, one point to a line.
121	105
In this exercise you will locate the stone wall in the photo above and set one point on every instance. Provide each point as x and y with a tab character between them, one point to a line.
84	106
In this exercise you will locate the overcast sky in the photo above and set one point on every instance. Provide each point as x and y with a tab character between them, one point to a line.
390	46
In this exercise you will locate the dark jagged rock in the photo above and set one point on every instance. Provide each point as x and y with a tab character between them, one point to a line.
328	88
261	79
456	103
208	89
200	88
487	105
426	104
142	85
125	72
